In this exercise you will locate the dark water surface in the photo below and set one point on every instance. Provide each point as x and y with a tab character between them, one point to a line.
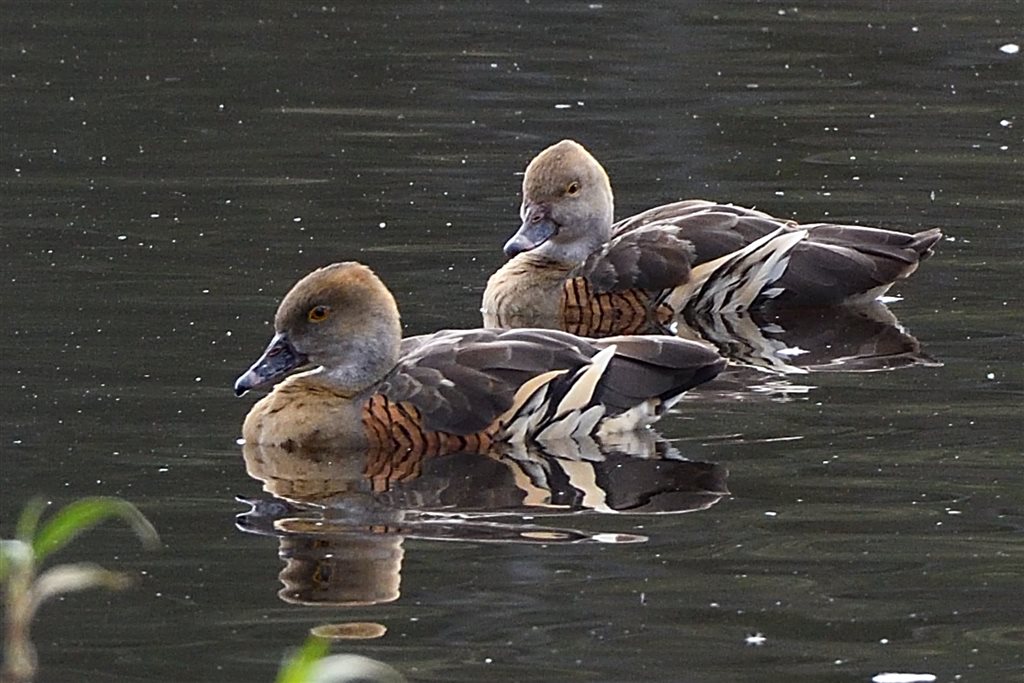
170	169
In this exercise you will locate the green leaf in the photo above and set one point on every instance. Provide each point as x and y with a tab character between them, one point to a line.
81	515
28	521
298	666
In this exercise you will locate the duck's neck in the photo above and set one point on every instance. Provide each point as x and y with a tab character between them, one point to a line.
363	368
356	363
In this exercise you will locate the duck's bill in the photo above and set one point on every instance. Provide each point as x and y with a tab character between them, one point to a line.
537	228
277	361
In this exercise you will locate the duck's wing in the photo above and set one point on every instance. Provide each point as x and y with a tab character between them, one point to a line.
649	258
835	264
465	381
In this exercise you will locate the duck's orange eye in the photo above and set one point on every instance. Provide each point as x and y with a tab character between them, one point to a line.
318	314
573	188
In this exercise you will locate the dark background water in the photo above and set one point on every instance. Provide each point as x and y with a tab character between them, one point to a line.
169	170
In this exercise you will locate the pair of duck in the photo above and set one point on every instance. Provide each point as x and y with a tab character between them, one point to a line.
530	375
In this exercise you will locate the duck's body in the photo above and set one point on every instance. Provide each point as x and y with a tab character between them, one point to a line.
454	390
577	270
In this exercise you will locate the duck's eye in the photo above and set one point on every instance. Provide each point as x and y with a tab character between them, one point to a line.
573	188
318	314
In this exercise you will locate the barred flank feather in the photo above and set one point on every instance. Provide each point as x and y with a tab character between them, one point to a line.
398	427
589	313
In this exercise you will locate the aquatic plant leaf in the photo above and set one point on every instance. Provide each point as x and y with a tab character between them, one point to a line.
81	515
15	556
28	520
299	664
68	578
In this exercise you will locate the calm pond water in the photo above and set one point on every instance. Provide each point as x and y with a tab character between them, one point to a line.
169	170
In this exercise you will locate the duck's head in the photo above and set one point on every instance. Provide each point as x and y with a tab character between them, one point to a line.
341	317
567	205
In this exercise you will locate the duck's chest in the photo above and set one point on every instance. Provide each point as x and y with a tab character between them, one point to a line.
303	416
524	293
527	294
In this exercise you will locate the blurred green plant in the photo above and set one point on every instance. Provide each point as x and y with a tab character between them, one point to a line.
21	559
298	666
311	664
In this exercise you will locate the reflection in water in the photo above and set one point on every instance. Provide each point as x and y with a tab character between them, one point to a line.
781	343
341	517
845	339
344	569
350	630
635	472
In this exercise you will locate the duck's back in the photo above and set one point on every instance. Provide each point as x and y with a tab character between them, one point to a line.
713	230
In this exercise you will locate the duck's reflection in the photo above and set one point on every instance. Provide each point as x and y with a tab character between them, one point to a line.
341	518
795	342
770	349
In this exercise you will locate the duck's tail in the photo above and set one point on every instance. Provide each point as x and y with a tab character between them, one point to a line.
851	265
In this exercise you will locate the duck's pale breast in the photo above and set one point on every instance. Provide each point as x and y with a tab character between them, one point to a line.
309	416
302	414
525	292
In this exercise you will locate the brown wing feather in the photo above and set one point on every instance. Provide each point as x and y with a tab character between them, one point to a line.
838	262
713	230
655	366
648	258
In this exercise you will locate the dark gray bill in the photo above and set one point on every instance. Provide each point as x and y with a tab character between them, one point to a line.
537	227
278	360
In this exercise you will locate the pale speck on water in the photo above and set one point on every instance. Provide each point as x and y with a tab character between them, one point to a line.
903	678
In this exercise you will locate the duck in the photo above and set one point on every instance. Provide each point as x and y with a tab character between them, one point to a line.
346	379
572	267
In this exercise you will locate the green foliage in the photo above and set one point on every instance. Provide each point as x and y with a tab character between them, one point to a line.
25	588
84	514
